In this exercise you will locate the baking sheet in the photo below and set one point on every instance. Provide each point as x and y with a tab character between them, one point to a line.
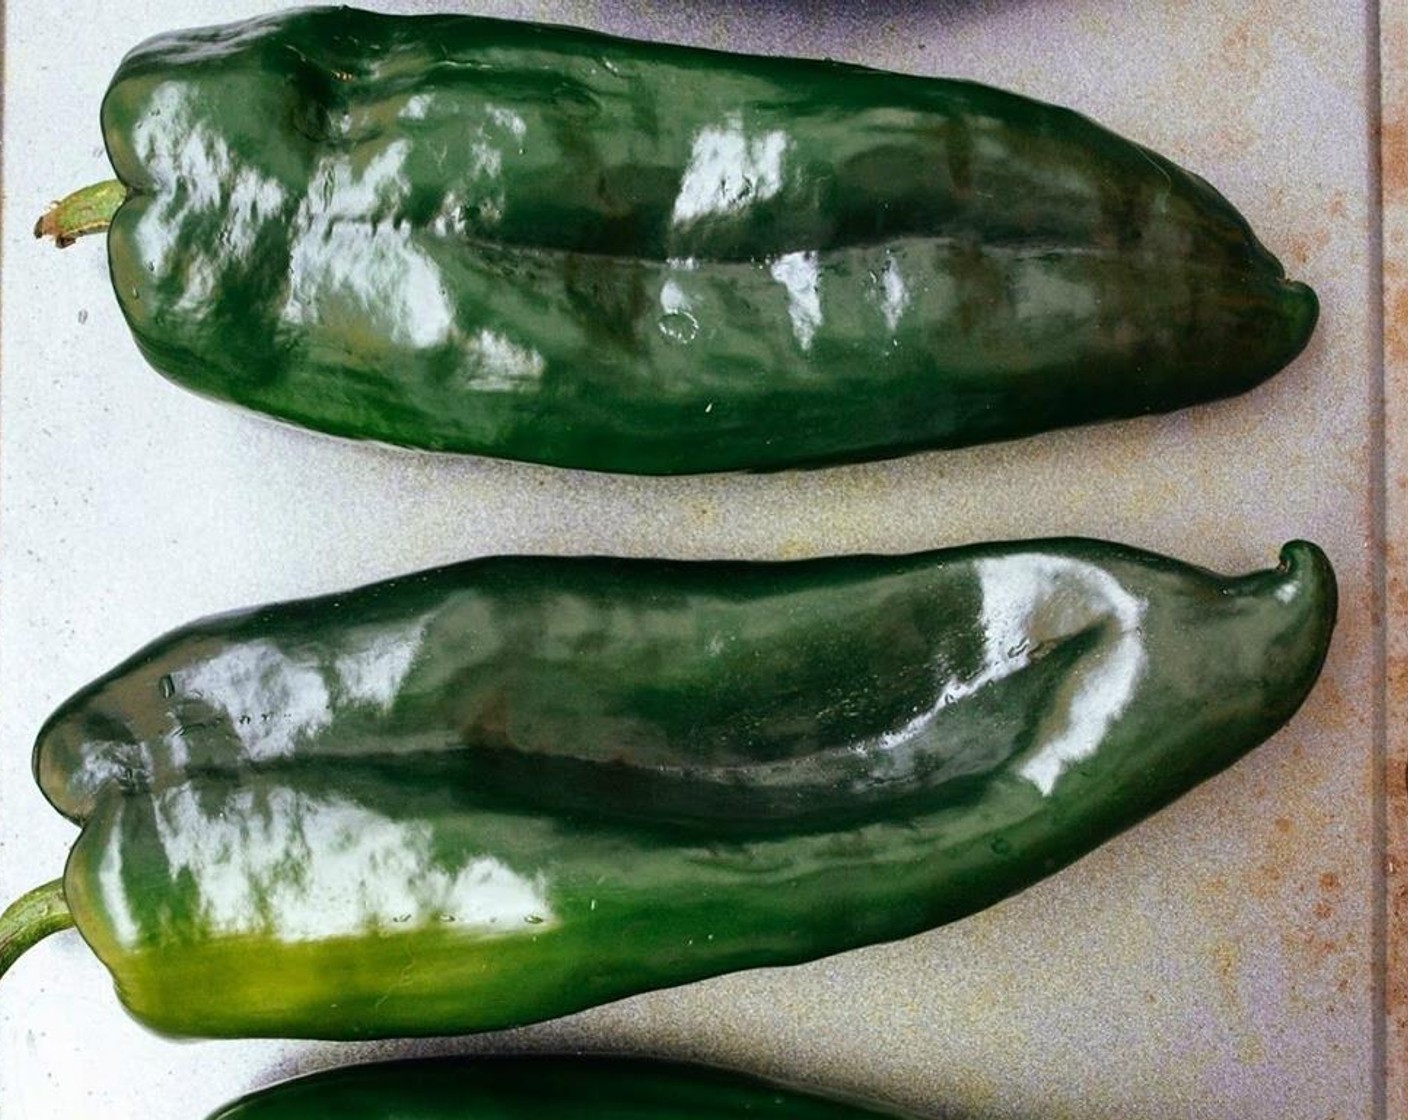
1223	959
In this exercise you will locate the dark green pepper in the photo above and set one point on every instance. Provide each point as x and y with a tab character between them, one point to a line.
557	246
540	1089
513	788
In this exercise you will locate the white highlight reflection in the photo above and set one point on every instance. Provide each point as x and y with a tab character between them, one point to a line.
482	188
507	120
1033	601
337	254
286	865
800	274
271	699
373	673
495	362
673	298
416	108
894	293
202	167
727	171
1029	604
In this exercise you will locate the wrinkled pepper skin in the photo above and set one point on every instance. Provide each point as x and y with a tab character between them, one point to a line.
510	789
556	246
581	1088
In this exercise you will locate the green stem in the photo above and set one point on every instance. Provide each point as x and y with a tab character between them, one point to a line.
31	918
88	210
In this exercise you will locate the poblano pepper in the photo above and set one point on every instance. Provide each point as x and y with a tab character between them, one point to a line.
558	246
510	789
540	1089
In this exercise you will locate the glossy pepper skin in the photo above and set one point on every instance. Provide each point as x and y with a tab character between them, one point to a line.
517	787
552	245
540	1089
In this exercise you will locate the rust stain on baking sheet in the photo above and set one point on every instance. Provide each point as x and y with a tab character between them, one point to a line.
1396	325
1334	709
1314	945
1318	946
1324	907
1302	819
1305	247
1322	957
1302	248
1398	672
1247	46
1393	141
1227	965
1310	949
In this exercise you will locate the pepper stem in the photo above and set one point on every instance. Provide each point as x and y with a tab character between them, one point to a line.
31	918
88	210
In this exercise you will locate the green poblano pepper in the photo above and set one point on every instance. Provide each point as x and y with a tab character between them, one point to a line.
557	246
541	1089
517	787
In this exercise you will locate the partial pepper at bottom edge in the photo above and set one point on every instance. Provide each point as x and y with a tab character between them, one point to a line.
541	1088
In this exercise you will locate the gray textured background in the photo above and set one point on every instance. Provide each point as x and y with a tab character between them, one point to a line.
1217	961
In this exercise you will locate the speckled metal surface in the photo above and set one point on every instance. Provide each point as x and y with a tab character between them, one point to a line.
1219	960
1393	69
